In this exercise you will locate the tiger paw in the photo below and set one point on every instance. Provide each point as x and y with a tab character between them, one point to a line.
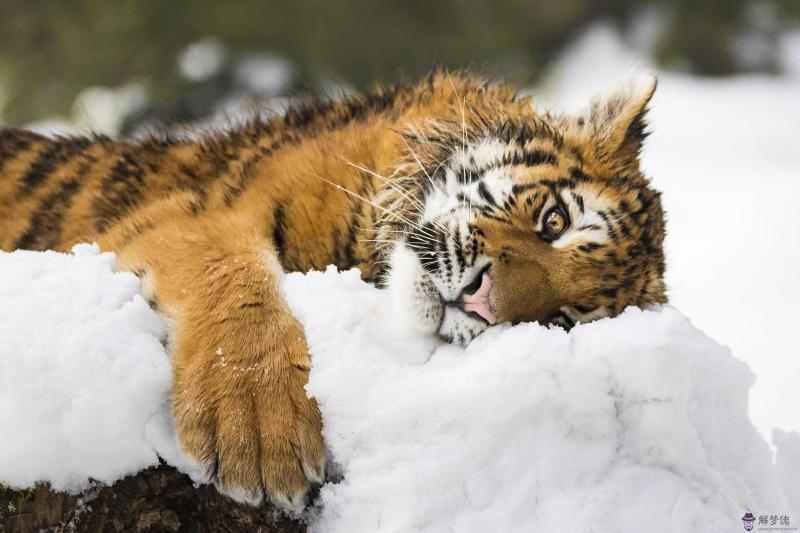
253	429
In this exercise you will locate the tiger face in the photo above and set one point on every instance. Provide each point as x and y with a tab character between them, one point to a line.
529	218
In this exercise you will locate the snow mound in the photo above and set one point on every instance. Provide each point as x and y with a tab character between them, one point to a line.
82	370
638	423
633	424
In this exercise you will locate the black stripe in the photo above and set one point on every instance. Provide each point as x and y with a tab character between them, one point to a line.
489	213
484	193
355	109
120	191
196	204
153	303
560	183
522	187
247	173
565	317
623	228
44	230
473	246
470	175
350	242
578	200
279	231
510	202
441	245
589	247
611	231
56	155
189	180
634	250
13	142
627	283
220	152
336	244
540	157
578	175
586	227
459	253
610	292
537	211
612	258
531	158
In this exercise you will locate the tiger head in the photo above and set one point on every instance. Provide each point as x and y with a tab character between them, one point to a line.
509	216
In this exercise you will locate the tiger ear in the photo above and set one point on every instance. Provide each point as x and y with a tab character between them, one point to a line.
615	122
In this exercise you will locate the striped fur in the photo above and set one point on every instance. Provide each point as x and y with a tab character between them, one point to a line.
423	187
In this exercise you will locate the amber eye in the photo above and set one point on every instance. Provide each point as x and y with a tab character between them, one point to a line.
555	223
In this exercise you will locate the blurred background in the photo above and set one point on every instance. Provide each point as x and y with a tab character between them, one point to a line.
181	58
724	148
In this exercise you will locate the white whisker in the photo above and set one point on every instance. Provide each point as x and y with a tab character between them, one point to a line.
414	201
463	141
370	202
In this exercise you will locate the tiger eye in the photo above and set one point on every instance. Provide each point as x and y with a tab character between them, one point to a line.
555	222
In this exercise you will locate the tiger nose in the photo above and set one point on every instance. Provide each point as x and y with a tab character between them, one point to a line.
476	300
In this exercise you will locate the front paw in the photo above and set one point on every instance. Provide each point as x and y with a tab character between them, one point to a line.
251	424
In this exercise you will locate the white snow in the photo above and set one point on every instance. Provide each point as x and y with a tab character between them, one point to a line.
202	59
264	74
96	110
631	424
84	379
623	424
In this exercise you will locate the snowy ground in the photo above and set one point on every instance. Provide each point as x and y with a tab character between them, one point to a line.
631	424
84	380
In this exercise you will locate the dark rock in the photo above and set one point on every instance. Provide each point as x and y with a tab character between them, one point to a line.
157	499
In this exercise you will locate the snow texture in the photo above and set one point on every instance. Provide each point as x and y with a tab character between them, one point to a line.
637	423
84	379
627	424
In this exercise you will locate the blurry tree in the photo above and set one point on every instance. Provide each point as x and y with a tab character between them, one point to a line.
51	49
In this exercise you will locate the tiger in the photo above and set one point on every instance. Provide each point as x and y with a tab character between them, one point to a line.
454	193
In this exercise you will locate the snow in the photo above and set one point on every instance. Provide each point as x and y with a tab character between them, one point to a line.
96	110
628	424
202	59
84	385
264	74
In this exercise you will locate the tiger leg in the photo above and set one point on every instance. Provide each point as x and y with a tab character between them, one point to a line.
239	358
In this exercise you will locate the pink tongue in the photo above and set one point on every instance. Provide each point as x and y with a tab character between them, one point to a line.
478	302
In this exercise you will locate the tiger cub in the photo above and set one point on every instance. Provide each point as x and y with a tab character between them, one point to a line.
454	194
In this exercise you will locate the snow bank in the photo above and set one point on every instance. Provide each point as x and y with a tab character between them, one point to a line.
633	424
82	371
